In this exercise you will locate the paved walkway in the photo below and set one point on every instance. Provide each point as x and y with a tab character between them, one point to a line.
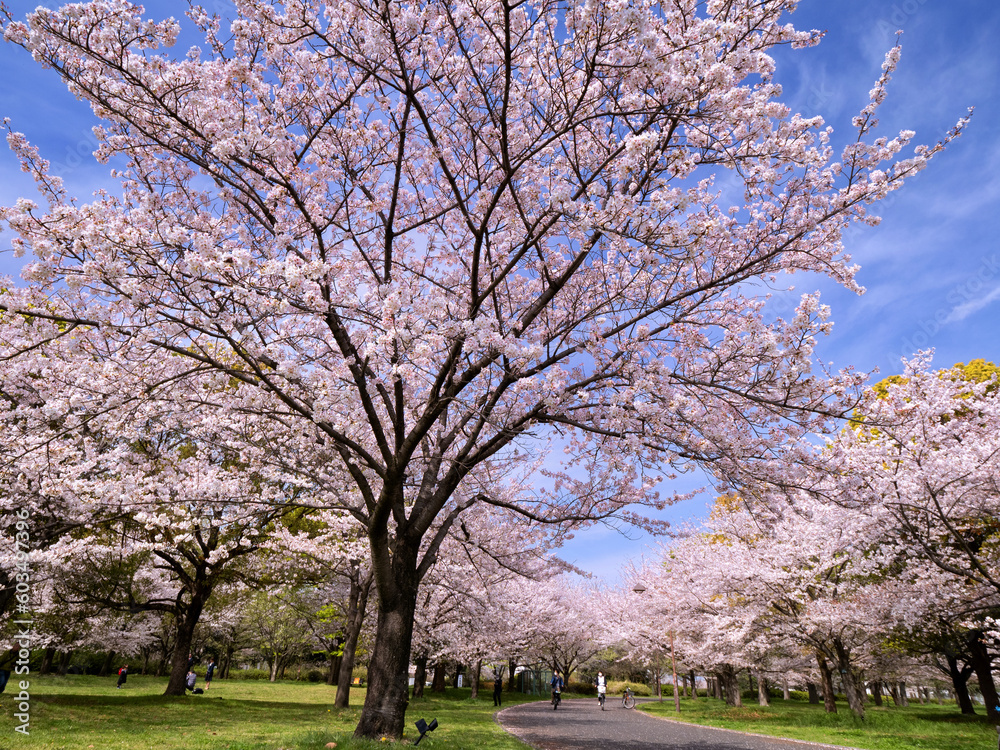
581	725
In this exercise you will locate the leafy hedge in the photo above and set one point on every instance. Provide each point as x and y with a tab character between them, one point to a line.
638	688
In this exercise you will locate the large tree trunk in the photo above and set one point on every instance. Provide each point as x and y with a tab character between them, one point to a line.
474	679
786	694
511	666
274	668
419	676
227	662
893	687
960	683
357	604
185	622
813	693
876	689
46	667
829	701
980	661
694	685
763	697
852	681
333	666
384	711
731	685
106	665
64	660
437	681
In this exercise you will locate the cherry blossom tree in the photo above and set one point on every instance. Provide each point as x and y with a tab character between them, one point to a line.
764	584
329	553
923	458
412	238
171	517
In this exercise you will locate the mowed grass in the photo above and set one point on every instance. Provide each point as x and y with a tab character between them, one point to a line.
81	712
918	727
84	713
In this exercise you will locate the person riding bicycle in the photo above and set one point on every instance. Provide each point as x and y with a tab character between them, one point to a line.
557	686
602	687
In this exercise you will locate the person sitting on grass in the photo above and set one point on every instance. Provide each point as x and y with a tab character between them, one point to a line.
190	680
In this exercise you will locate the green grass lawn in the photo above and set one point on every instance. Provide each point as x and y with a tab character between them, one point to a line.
926	727
78	712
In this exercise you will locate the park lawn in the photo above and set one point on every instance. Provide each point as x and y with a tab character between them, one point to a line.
82	712
919	727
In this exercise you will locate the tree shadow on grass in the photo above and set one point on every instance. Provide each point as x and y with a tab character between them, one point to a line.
214	702
955	718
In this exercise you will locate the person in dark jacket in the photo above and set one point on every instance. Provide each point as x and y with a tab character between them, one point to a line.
209	673
6	667
122	676
497	690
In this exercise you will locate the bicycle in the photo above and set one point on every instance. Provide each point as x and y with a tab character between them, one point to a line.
600	698
628	699
556	698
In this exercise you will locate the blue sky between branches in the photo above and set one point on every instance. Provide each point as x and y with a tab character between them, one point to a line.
931	270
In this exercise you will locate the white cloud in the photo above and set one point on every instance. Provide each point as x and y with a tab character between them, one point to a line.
961	312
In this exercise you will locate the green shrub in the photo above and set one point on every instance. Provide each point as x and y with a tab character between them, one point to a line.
581	688
249	674
637	687
314	675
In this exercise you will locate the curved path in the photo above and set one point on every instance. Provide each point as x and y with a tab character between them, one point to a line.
581	725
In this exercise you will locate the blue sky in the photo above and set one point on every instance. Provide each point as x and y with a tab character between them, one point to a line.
932	269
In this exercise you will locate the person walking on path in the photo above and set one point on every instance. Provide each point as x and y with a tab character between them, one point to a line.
497	690
122	676
209	672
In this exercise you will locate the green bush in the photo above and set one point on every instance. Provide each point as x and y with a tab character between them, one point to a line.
249	674
637	687
581	687
314	675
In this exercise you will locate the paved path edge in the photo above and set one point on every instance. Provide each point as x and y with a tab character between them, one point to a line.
496	719
807	743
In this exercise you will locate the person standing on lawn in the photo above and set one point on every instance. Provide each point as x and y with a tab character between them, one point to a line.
209	672
122	676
